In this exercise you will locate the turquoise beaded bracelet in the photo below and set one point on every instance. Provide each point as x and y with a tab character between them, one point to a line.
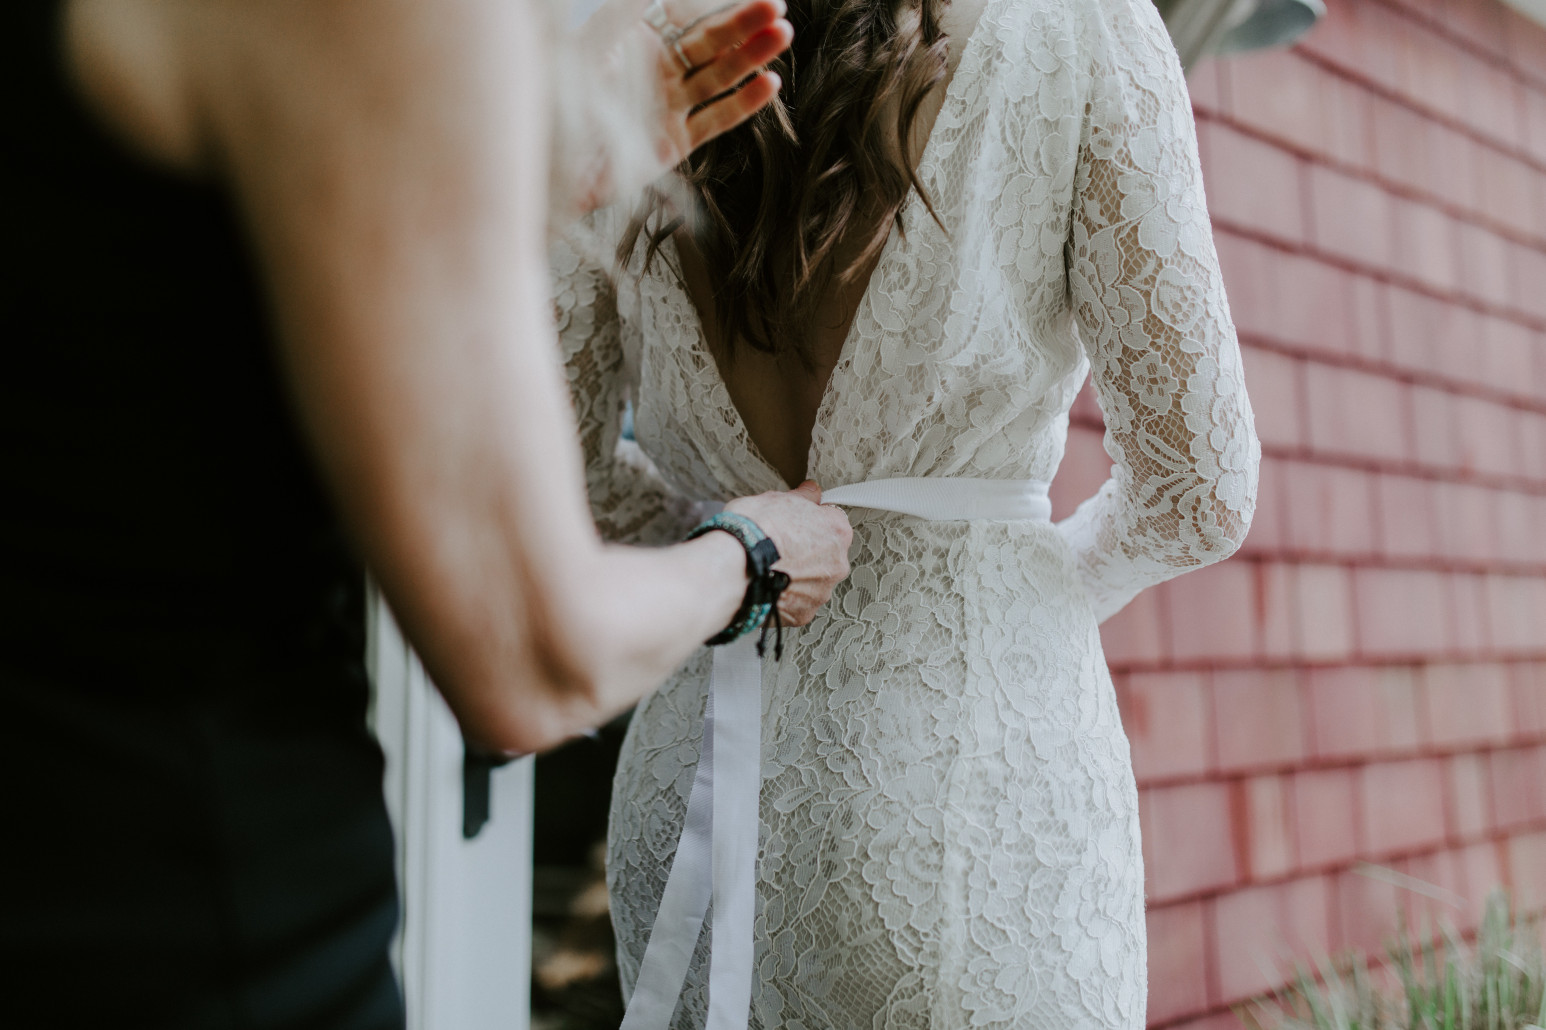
760	606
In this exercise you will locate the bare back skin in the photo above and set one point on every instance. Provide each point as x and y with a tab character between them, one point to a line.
777	395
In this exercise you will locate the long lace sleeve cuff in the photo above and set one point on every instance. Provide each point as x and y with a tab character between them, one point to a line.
629	501
1149	302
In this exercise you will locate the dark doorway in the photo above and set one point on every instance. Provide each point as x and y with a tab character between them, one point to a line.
574	983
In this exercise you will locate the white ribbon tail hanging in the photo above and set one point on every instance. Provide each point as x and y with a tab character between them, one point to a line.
737	686
717	857
680	917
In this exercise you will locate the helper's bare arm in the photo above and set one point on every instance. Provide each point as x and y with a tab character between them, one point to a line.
390	156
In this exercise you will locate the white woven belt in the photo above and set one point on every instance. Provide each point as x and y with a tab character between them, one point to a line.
717	857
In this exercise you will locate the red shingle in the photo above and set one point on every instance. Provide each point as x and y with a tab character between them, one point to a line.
1178	960
1326	817
1188	839
1262	931
1402	804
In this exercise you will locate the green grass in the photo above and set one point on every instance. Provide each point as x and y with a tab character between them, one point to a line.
1431	983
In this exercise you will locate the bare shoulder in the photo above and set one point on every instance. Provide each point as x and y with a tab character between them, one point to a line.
127	62
166	74
150	68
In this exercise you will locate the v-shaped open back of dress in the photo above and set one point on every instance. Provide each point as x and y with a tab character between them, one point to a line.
777	398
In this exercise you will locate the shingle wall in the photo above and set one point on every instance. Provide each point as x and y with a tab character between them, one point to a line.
1366	681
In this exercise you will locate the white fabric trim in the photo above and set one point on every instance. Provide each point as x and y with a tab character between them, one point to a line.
947	500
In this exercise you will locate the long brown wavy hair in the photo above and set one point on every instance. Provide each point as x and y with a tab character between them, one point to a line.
774	204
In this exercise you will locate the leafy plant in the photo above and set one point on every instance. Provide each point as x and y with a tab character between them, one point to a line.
1497	983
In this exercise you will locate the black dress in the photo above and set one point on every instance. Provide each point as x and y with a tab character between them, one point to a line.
192	828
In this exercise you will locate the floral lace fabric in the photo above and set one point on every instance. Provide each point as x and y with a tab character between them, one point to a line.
949	822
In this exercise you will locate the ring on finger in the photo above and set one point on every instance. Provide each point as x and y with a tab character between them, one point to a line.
681	57
656	18
670	34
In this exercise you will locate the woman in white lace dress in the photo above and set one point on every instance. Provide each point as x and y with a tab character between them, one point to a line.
949	819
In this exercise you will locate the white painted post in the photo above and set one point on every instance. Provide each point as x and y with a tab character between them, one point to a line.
464	950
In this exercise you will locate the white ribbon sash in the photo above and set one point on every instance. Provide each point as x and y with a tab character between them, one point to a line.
717	856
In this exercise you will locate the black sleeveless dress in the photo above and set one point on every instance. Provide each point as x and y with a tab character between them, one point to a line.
192	828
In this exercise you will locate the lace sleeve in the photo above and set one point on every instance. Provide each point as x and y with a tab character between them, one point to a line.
629	501
1149	302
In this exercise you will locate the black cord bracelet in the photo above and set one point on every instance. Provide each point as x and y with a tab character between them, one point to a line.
759	608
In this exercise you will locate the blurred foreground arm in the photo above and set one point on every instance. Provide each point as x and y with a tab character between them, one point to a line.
391	159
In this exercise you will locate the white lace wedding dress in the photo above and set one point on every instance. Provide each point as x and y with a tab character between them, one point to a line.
949	819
